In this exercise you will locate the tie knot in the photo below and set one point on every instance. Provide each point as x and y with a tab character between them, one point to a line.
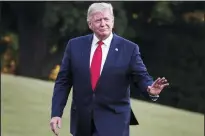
100	43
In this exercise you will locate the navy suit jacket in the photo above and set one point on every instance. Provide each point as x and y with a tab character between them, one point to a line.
109	103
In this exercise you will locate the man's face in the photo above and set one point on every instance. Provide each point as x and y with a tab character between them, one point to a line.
101	23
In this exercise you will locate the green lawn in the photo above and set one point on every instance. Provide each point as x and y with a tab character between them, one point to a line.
25	111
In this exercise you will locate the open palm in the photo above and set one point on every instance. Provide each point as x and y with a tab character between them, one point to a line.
158	85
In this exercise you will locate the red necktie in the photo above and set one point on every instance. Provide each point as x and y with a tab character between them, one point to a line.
96	65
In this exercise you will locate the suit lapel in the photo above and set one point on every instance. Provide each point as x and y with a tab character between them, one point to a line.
111	56
86	50
86	56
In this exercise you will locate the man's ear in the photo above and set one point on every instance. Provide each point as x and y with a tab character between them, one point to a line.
113	26
89	25
113	21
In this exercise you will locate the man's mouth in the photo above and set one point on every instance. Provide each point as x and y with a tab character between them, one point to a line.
102	30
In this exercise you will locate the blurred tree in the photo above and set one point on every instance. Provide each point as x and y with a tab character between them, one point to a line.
62	21
32	49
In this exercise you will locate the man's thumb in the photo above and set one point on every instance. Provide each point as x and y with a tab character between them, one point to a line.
149	88
59	123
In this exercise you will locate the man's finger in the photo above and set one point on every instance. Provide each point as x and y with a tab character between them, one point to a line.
162	81
164	85
156	81
59	123
53	128
55	131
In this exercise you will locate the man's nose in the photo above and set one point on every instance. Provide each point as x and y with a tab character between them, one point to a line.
102	22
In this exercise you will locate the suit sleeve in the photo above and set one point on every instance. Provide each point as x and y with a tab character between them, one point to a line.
139	75
62	85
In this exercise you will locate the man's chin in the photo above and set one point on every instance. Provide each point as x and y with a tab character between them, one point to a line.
104	34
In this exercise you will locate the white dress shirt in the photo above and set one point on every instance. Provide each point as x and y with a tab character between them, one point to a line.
105	48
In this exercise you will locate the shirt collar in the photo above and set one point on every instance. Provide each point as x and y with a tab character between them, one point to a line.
106	41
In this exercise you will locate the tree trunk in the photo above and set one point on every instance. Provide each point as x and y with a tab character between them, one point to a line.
32	41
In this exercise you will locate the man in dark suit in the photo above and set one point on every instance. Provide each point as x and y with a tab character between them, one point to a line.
100	68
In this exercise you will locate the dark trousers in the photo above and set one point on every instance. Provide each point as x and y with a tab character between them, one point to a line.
93	129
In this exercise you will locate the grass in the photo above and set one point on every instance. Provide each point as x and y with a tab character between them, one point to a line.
25	111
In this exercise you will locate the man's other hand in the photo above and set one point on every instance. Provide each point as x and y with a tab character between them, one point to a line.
54	123
158	86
